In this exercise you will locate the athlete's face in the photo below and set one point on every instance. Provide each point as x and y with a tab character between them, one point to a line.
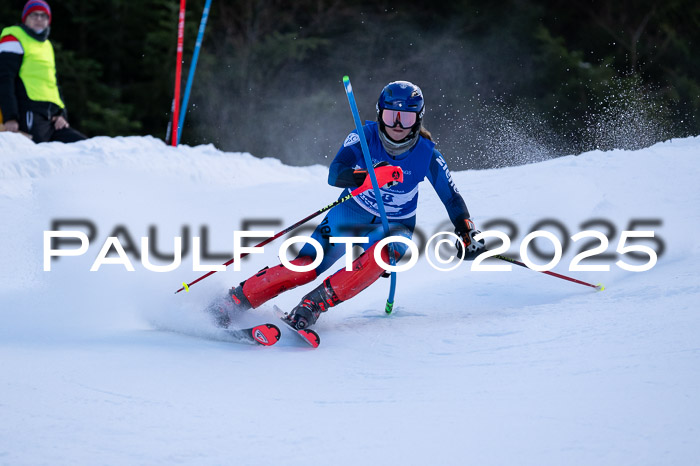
397	133
37	21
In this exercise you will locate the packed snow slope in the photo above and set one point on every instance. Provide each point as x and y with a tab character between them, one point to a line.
485	368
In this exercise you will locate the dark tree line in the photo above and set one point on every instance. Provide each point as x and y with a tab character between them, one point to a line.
505	82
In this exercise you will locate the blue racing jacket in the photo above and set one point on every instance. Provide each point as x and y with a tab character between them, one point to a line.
400	201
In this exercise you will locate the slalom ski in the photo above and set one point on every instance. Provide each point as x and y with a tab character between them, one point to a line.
264	334
309	336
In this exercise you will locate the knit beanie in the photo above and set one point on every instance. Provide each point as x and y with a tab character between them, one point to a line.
36	5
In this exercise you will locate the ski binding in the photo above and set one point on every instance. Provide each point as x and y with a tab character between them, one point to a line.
306	334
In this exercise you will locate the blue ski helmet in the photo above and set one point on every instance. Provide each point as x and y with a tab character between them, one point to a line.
400	96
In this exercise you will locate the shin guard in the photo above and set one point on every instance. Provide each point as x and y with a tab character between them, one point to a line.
365	271
270	282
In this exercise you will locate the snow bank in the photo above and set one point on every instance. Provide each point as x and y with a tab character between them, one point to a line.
490	368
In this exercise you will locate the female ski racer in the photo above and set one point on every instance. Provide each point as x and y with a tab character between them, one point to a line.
397	139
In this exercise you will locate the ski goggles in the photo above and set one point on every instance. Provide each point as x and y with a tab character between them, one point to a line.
404	119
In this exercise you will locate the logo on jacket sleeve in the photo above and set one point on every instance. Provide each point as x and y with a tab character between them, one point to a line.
448	175
353	138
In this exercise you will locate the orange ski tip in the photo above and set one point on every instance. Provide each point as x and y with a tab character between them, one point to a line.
311	337
266	334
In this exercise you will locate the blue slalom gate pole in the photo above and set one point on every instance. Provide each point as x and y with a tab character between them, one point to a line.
370	170
193	66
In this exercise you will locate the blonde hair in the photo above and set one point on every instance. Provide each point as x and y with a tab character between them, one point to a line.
426	134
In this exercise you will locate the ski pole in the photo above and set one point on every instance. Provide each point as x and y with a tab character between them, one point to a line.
598	287
352	194
193	66
377	194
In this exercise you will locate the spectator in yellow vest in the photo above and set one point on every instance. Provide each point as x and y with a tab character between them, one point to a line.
29	97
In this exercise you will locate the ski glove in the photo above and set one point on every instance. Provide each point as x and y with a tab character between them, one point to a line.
387	176
466	244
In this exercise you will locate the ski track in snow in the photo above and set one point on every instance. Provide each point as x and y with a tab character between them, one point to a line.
487	368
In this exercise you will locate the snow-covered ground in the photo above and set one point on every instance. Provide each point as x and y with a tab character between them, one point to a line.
487	368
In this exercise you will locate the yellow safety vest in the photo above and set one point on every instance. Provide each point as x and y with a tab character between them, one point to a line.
38	70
